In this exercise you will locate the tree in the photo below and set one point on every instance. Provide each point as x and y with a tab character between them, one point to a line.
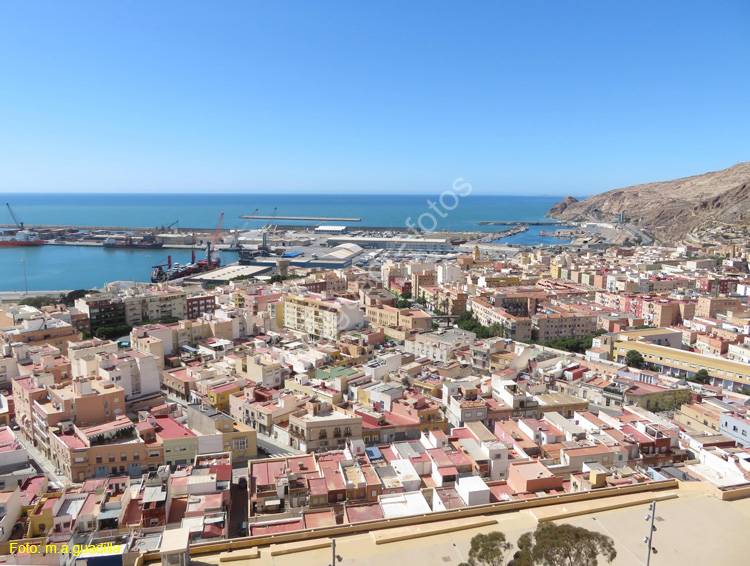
37	302
563	545
403	304
676	400
634	359
70	298
701	376
406	295
488	550
110	332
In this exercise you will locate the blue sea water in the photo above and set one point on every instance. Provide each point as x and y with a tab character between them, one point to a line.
74	267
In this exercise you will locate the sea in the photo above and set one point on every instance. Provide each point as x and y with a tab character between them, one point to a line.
78	267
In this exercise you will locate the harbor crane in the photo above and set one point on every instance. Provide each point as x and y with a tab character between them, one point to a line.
211	247
218	231
168	264
13	216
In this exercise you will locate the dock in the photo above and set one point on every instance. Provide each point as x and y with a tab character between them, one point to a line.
311	218
494	223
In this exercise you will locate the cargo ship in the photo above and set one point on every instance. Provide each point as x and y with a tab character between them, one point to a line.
177	271
19	239
147	243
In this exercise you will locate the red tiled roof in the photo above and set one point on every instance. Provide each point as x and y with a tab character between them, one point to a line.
275	528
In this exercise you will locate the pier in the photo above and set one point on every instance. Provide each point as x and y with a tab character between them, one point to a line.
179	230
494	223
311	218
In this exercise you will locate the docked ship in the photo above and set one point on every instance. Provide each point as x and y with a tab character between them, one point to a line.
177	271
147	243
21	237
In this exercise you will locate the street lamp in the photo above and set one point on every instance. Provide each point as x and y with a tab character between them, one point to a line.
334	556
650	538
25	283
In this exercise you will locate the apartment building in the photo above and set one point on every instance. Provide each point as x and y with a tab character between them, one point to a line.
261	370
263	416
729	374
322	427
221	433
198	305
113	448
179	382
319	317
736	426
549	326
449	300
481	353
40	331
153	304
26	392
103	310
420	280
516	327
712	306
180	444
440	345
392	317
160	340
704	416
135	372
83	402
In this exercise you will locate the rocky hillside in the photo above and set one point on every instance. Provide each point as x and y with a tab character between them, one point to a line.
671	209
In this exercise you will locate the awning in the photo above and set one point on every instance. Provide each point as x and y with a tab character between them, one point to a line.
109	514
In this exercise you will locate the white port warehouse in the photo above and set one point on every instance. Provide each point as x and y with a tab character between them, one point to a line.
330	230
434	244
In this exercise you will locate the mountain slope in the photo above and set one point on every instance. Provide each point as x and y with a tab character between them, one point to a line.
671	209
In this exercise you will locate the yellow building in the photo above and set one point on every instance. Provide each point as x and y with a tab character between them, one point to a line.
218	397
40	518
699	416
728	374
237	438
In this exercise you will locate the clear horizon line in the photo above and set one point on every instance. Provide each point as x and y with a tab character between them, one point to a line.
151	193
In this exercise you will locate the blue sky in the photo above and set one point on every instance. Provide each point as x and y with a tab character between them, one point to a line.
402	97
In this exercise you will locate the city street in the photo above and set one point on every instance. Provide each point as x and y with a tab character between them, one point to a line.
42	463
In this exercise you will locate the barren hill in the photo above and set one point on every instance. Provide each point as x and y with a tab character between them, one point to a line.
671	209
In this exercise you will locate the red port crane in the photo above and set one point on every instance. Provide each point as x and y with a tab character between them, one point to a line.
168	264
218	230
